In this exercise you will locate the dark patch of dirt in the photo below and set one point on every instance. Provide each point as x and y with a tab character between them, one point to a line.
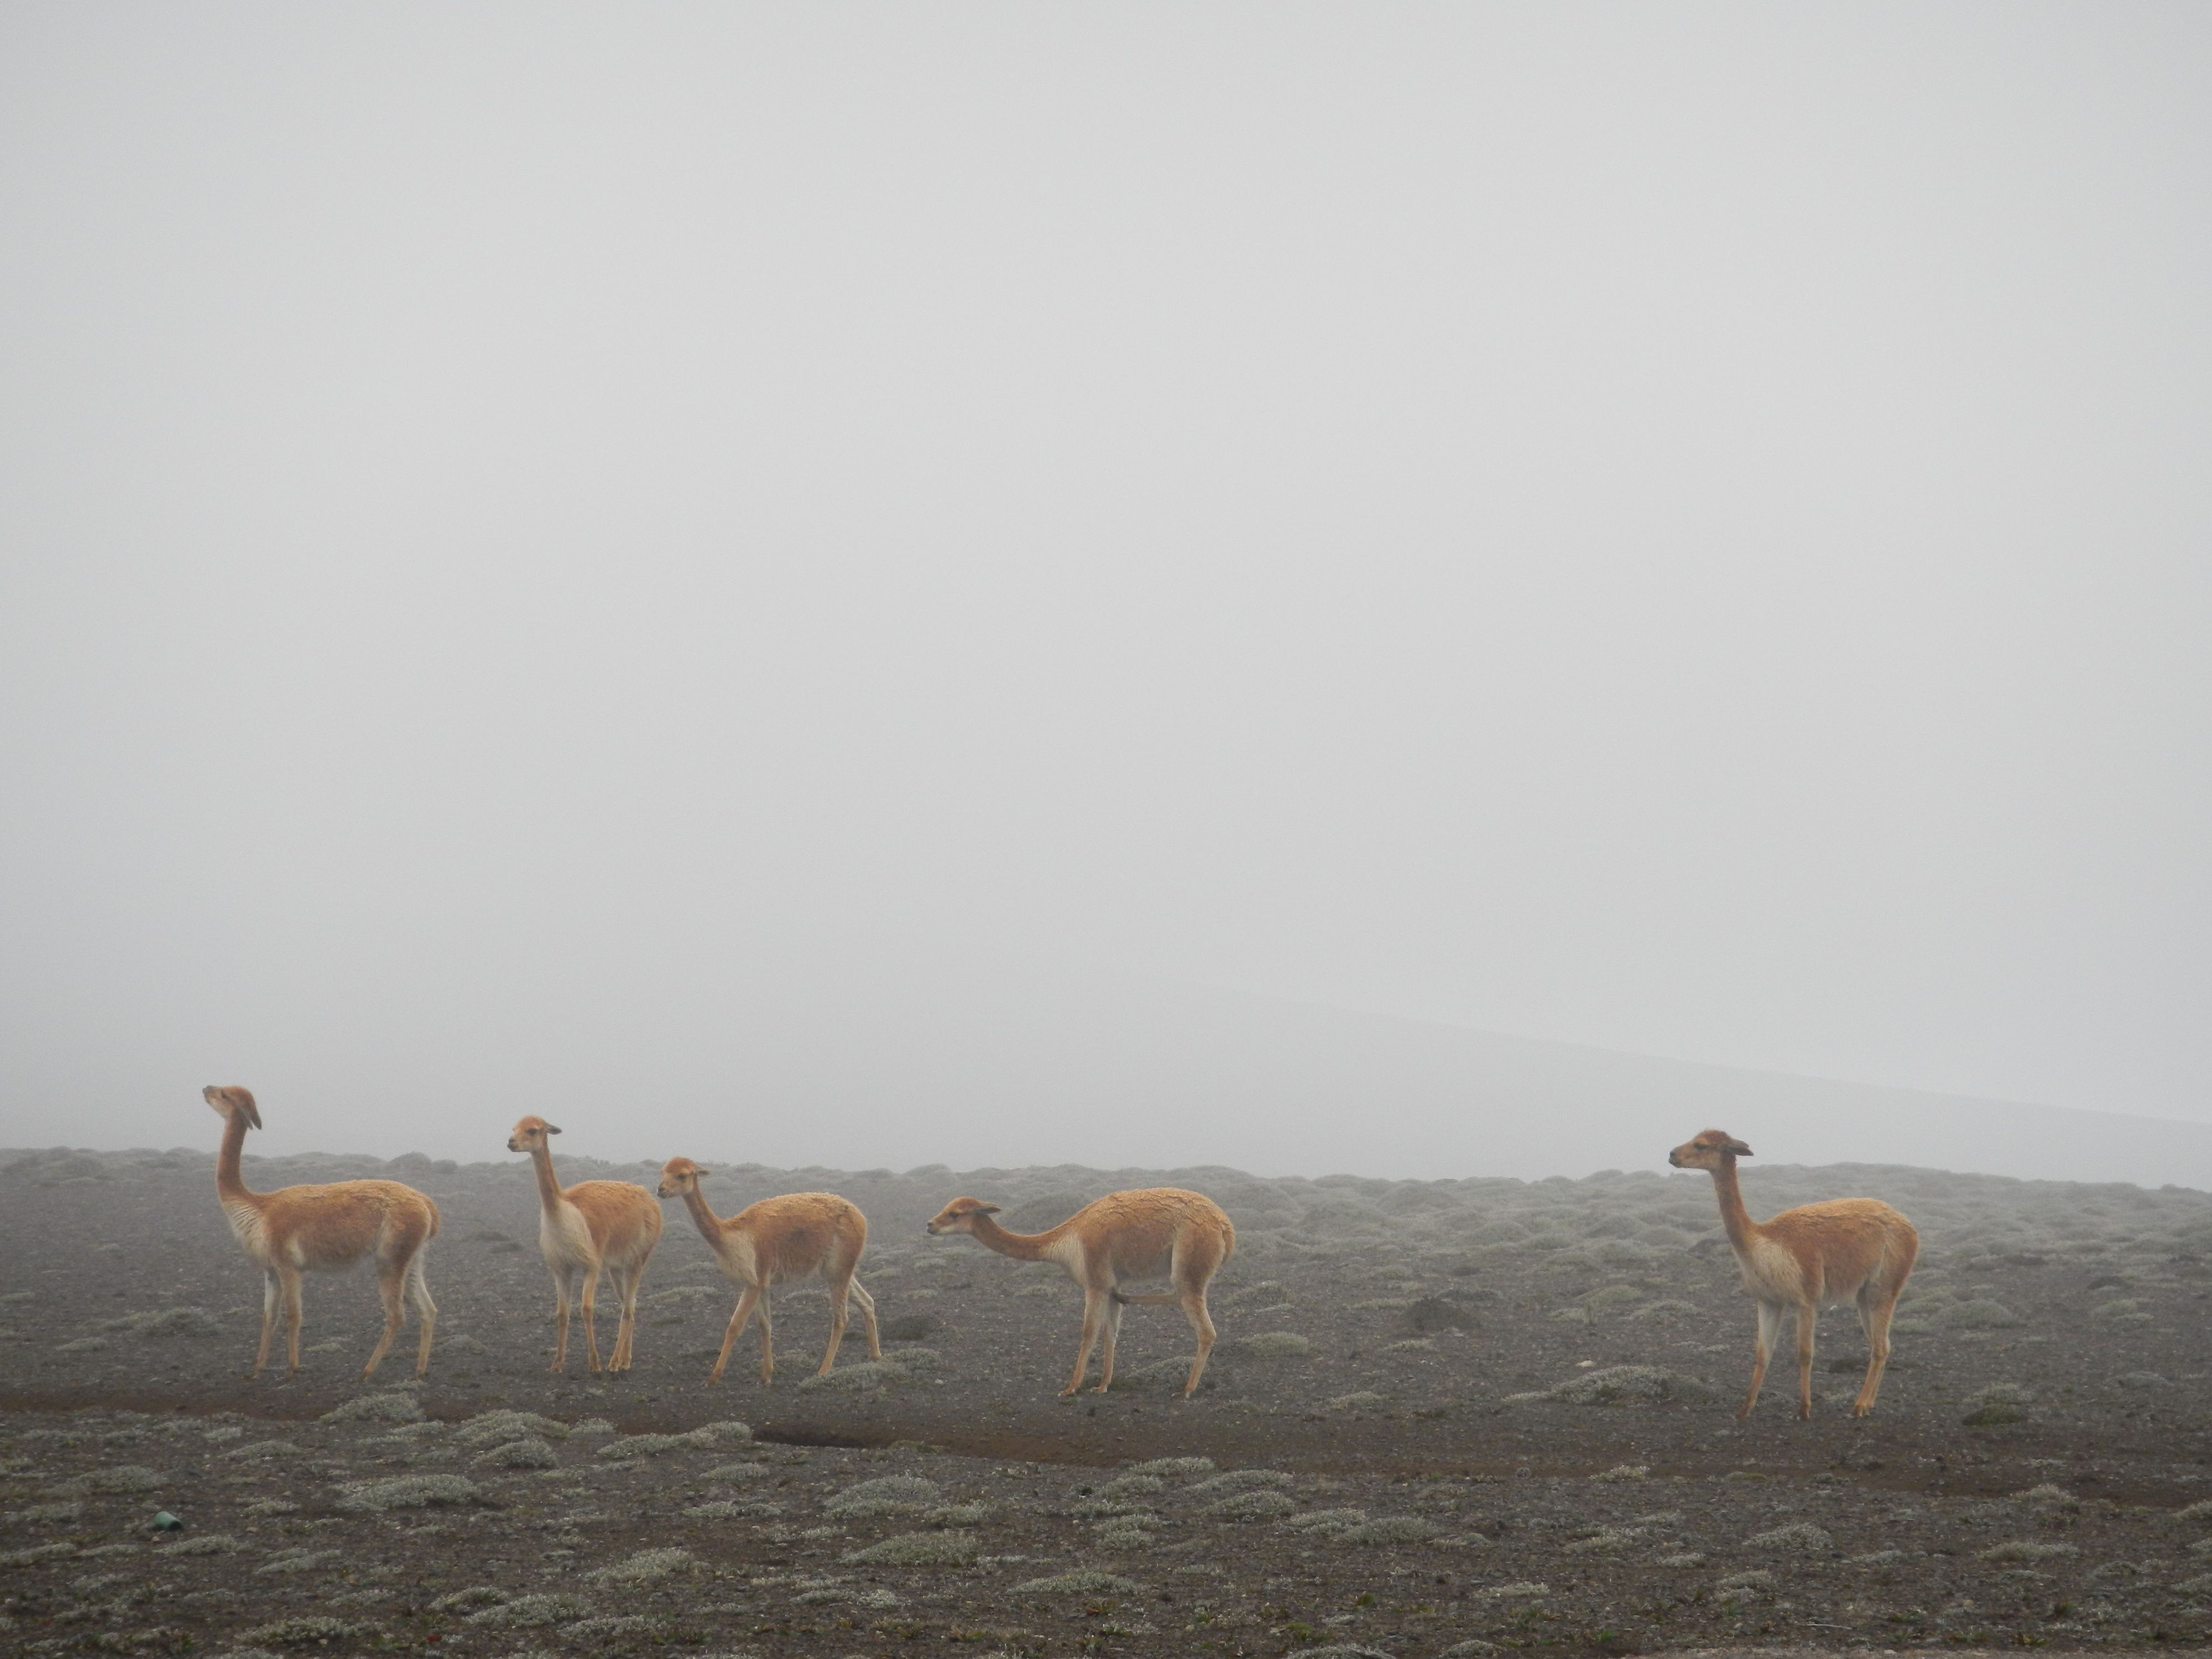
1395	1489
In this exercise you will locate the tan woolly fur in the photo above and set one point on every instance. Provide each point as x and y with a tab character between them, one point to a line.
593	1227
1848	1250
1152	1232
779	1240
324	1227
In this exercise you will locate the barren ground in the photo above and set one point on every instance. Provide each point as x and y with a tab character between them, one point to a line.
1445	1417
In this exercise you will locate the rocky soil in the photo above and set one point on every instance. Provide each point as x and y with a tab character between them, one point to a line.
1445	1417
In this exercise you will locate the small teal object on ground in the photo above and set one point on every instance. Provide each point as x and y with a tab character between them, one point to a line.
165	1522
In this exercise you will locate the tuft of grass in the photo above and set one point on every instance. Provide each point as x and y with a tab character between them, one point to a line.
476	1596
1625	1472
122	1478
734	1510
263	1449
1083	1580
1520	1590
633	1446
1262	1504
2122	1310
1389	1530
297	1560
724	1431
211	1543
1620	1385
1273	1344
1799	1538
36	1553
1173	1466
412	1491
37	1514
165	1323
1240	1480
1326	1522
1665	1308
917	1549
316	1629
519	1454
531	1612
377	1408
738	1471
647	1567
1132	1485
497	1428
865	1377
1606	1540
2046	1493
2024	1549
957	1515
894	1494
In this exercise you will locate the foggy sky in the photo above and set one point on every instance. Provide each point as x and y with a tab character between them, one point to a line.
572	559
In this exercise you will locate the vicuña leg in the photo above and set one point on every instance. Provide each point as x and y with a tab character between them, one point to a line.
868	1320
270	1302
1808	1318
1770	1325
837	1296
591	1332
1113	1336
294	1315
390	1284
738	1320
426	1311
767	1340
1873	1319
626	1293
564	1288
1094	1319
1201	1325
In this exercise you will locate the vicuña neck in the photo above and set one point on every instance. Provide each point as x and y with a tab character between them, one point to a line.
1734	1217
1023	1246
228	1182
703	1219
549	1189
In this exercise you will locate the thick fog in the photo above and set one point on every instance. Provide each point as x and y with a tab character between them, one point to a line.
867	586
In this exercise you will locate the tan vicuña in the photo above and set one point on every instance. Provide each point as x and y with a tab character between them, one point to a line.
593	1227
1152	1232
324	1227
1848	1250
794	1236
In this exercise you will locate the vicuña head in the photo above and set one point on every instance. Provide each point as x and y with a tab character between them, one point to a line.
679	1177
1708	1150
227	1098
530	1134
959	1217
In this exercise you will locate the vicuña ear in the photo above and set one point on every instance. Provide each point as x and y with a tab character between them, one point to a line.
1738	1148
552	1128
697	1171
985	1209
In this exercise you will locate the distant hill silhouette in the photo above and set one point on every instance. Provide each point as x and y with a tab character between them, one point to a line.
1113	1073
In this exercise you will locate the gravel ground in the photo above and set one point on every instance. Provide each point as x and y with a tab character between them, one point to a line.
1445	1418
